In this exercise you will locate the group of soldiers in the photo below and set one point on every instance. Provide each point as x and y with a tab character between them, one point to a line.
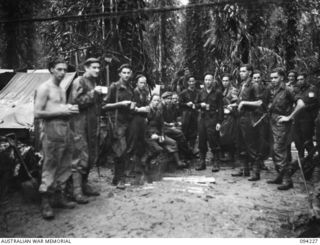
267	116
185	122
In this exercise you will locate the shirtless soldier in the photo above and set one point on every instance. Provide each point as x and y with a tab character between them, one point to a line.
50	106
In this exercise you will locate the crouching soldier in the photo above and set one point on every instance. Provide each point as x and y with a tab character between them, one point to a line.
50	106
211	104
156	136
171	125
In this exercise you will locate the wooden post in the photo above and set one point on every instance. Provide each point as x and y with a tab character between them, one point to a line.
108	75
111	10
108	61
162	40
77	61
102	22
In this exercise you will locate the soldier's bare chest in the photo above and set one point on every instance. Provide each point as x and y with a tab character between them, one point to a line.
56	95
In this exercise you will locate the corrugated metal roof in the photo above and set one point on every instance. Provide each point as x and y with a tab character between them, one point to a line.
16	98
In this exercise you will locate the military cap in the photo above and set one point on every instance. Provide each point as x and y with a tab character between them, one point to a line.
166	95
124	66
90	61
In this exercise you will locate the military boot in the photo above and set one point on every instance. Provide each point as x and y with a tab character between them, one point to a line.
223	156
255	171
244	171
180	164
215	162
202	164
316	175
192	146
121	184
77	189
87	189
115	181
277	180
61	201
287	182
46	209
263	166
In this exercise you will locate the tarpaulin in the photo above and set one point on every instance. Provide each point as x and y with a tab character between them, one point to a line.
5	78
17	98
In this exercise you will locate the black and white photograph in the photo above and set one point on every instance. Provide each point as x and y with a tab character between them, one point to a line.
159	119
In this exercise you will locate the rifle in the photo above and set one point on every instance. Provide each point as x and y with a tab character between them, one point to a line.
260	119
99	136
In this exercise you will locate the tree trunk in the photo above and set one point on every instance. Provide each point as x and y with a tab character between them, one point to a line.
162	43
291	12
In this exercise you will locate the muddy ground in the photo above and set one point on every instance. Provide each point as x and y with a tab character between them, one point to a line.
232	207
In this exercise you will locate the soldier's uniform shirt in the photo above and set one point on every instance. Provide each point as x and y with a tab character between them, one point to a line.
189	115
170	115
215	100
303	125
119	91
227	132
136	138
186	96
265	96
249	135
209	119
121	117
309	95
282	102
249	91
230	95
85	124
265	139
156	126
140	97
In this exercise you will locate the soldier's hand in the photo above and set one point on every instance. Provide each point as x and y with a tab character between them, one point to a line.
190	104
98	89
218	126
240	106
203	105
154	136
284	119
73	108
65	110
161	139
